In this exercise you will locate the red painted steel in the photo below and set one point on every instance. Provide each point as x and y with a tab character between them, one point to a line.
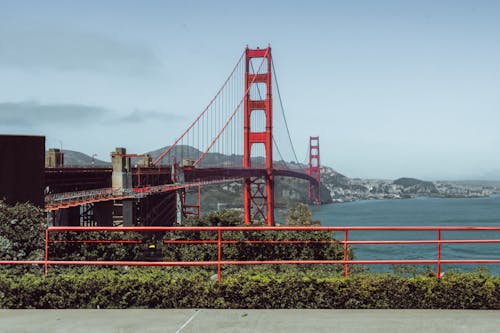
253	196
346	252
219	254
282	228
99	241
439	261
350	242
73	199
130	263
192	210
22	262
439	253
314	170
46	265
250	262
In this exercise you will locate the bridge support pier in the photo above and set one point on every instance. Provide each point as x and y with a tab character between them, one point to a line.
103	214
54	158
68	217
157	210
121	180
128	211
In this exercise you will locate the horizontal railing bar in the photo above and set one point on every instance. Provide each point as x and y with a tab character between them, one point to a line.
250	262
361	242
22	262
447	241
133	263
235	241
362	262
97	241
109	263
282	228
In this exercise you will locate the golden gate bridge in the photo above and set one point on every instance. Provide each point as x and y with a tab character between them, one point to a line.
233	138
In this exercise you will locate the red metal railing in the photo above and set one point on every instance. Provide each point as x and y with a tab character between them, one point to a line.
74	199
439	261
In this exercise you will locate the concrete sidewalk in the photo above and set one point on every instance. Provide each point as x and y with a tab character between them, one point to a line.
290	321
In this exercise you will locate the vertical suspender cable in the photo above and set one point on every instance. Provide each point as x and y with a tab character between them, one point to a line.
283	110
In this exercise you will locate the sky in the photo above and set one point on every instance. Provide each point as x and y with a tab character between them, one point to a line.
393	88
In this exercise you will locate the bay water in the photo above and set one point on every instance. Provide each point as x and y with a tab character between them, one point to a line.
418	212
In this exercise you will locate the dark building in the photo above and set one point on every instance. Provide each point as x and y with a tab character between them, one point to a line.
22	166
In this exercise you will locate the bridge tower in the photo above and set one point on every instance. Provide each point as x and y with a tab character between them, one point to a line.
258	192
314	170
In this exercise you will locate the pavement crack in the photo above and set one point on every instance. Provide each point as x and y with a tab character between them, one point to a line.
187	321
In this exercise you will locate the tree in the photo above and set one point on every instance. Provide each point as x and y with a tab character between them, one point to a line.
223	217
22	235
298	215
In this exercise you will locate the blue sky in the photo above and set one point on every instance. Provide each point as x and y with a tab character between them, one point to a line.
393	88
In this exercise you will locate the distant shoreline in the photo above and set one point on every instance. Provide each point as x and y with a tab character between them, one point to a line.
495	195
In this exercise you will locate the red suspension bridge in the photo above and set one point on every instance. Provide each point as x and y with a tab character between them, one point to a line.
233	138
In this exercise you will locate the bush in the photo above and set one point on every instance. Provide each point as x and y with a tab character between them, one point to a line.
314	245
71	246
22	232
260	289
299	214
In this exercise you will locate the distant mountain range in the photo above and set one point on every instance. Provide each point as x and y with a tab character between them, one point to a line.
335	186
191	153
287	189
76	158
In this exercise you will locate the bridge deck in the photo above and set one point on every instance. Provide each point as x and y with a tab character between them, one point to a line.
87	181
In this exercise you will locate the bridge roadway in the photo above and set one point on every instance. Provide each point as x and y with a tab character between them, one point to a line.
191	174
93	185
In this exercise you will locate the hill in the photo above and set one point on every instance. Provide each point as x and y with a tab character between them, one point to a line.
416	186
192	153
335	187
79	159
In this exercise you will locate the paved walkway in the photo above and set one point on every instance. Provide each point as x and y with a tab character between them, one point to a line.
289	321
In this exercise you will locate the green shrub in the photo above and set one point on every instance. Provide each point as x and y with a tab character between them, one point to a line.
193	288
71	246
313	245
22	232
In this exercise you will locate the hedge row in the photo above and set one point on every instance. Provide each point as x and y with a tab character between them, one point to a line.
313	247
176	288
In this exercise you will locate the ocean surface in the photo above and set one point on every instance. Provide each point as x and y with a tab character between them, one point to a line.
418	212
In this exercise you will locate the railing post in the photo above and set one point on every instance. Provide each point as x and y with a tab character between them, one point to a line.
199	200
439	254
46	251
346	253
219	253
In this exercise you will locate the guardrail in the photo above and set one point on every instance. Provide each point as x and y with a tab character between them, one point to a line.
220	241
78	195
72	199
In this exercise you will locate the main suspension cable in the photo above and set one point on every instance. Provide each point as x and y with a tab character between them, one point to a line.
162	155
230	118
